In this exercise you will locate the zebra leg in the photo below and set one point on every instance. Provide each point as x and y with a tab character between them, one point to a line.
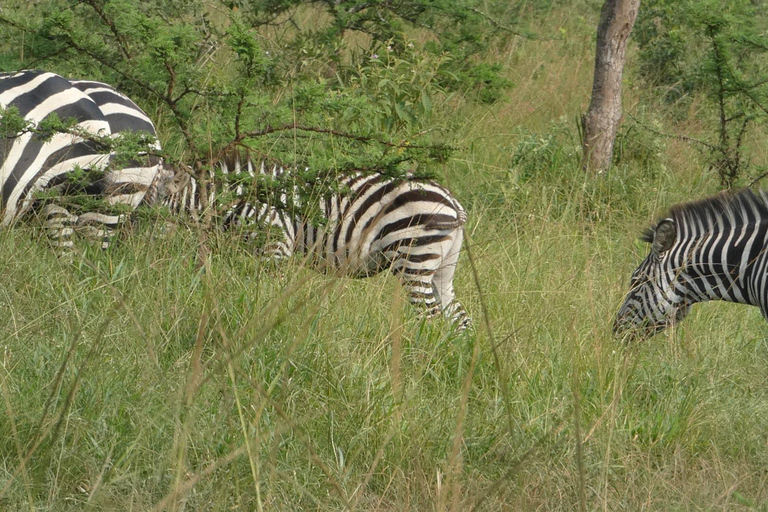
416	267
59	225
98	227
279	237
427	273
418	284
442	282
125	187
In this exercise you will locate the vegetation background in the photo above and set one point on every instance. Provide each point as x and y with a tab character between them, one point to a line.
149	378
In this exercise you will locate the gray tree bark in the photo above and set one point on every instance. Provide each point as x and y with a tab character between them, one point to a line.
601	122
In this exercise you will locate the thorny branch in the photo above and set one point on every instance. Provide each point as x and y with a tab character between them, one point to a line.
121	43
292	126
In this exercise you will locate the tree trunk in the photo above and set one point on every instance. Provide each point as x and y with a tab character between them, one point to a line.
601	121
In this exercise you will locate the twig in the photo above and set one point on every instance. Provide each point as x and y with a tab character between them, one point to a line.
672	136
121	43
504	28
754	182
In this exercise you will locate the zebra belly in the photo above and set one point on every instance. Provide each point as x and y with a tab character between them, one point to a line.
327	256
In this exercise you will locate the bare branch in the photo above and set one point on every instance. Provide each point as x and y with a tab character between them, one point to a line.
504	28
742	131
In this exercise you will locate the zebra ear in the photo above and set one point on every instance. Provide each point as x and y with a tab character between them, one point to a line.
664	236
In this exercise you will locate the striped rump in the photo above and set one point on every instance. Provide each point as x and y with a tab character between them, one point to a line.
29	165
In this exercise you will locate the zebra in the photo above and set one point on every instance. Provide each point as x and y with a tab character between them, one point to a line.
410	226
713	249
29	165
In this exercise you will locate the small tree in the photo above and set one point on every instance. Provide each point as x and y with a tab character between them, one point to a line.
601	122
714	48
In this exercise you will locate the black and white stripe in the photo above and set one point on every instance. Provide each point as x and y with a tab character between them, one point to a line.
413	227
714	249
29	165
123	115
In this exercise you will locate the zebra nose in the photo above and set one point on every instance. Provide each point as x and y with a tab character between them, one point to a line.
620	322
623	328
618	326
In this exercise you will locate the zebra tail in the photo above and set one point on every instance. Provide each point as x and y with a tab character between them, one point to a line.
461	219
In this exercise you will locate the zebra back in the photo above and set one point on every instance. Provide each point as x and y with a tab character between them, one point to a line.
119	110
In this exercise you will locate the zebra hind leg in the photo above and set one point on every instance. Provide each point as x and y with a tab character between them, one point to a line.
424	295
442	282
98	227
457	315
421	294
59	224
429	281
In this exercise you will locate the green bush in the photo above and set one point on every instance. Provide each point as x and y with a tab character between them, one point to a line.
544	155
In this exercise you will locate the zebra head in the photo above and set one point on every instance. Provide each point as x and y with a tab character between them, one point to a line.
654	302
169	181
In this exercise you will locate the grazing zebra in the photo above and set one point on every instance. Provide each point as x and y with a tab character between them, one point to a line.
413	227
29	165
706	250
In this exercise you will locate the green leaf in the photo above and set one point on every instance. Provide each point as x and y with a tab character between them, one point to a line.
426	103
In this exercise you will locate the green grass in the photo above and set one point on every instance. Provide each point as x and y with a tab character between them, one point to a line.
138	379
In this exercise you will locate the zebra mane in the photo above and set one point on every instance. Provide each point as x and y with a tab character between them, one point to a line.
729	206
241	159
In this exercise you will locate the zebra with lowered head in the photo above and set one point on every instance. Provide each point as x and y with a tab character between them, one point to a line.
29	164
713	249
413	227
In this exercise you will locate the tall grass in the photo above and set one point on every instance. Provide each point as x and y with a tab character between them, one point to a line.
146	379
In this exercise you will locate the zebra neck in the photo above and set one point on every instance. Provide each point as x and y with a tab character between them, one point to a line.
714	269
